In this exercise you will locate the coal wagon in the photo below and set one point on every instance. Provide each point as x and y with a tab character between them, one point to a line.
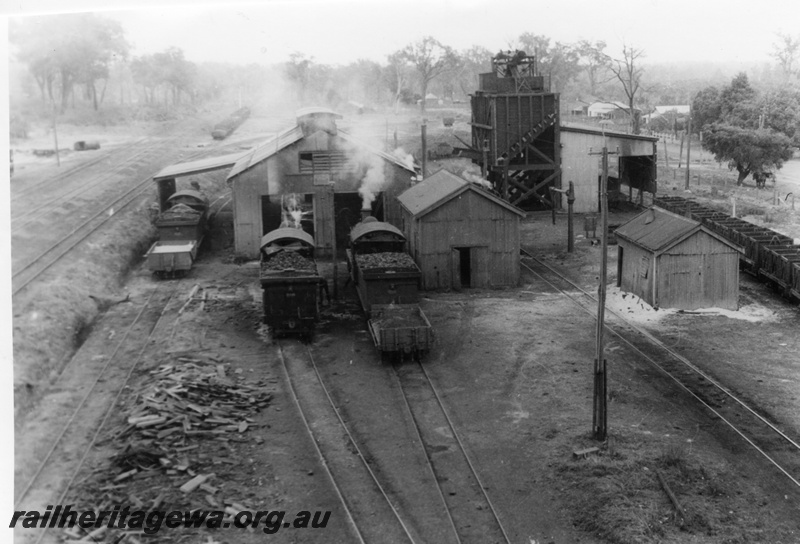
766	253
290	282
181	229
387	282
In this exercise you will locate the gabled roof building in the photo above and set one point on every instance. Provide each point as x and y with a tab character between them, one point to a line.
460	234
671	261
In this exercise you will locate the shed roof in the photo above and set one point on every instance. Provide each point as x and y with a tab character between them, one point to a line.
199	166
267	149
287	233
426	196
656	230
375	226
599	132
294	134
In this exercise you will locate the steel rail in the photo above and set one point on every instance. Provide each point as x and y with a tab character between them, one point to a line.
321	455
464	451
22	220
427	457
114	401
681	359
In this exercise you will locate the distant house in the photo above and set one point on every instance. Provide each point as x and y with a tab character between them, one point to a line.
680	110
671	261
576	109
432	101
661	111
608	110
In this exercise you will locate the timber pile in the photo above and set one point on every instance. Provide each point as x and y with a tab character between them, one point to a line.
193	398
180	212
288	260
160	466
385	260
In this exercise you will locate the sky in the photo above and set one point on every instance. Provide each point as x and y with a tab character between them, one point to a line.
343	31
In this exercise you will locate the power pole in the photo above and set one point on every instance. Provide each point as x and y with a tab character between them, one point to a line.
688	148
424	146
333	244
600	413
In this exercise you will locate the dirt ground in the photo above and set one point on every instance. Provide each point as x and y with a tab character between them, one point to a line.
515	368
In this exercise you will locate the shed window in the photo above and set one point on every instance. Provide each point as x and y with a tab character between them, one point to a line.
323	162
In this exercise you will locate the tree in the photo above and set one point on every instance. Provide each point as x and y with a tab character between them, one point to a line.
786	52
298	70
748	151
470	63
430	59
397	75
738	104
706	108
559	61
69	49
628	71
593	61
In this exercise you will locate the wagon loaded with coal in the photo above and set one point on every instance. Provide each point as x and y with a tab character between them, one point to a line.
290	282
387	284
767	254
181	229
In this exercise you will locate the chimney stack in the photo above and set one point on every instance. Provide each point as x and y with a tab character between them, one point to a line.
365	212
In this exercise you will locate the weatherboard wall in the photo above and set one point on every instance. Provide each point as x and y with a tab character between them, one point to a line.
698	272
280	174
468	220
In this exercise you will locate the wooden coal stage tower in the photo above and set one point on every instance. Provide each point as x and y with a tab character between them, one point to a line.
515	131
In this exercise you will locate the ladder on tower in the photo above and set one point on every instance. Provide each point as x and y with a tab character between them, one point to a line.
528	137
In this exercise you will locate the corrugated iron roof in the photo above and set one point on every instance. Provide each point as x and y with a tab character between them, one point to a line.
266	150
386	156
295	134
287	233
199	166
656	229
376	226
442	186
598	132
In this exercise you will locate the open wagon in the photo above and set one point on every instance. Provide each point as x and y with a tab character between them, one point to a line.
400	329
181	229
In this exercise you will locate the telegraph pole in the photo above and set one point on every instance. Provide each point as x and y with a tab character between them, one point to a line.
688	147
600	413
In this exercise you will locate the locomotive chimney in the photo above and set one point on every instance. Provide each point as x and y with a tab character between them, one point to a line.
365	212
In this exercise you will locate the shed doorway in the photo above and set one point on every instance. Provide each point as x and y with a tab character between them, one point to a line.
462	267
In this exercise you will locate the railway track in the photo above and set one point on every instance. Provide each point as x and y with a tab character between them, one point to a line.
66	190
80	405
25	273
470	511
371	513
754	428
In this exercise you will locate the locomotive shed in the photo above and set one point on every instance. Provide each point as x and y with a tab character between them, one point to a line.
513	367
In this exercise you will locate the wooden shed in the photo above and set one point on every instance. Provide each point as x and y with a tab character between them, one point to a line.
632	165
671	261
318	176
460	234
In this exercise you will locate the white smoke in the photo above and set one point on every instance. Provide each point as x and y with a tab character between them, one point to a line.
373	181
405	157
474	178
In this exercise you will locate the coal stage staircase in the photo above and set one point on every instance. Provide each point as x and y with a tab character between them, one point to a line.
527	138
